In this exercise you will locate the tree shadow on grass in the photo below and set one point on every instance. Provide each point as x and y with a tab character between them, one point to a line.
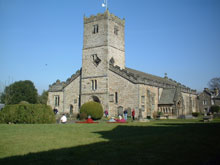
160	144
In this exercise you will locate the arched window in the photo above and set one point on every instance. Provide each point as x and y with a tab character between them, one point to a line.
96	99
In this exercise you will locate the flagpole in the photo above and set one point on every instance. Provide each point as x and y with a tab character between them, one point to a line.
106	1
105	4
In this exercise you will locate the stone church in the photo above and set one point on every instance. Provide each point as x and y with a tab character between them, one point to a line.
104	78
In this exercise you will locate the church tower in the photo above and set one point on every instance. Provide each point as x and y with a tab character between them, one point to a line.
103	42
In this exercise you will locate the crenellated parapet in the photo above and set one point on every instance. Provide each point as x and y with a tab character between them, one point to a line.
148	80
59	86
105	15
73	77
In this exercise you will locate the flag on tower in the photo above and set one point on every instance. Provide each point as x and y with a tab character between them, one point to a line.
104	4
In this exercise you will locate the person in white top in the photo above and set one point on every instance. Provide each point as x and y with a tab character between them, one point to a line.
119	117
63	119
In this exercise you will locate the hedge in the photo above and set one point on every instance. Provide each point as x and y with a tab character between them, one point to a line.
92	109
27	113
195	114
214	109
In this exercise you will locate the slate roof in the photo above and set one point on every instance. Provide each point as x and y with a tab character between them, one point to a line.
167	96
208	91
56	87
138	77
151	77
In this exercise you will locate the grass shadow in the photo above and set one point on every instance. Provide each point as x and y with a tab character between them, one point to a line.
164	143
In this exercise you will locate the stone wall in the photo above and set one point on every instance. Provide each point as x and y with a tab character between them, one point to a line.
204	102
89	68
71	96
194	103
116	43
217	101
150	102
127	94
189	103
91	39
101	92
51	100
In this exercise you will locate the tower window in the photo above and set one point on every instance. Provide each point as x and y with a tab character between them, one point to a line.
96	59
57	100
95	29
94	85
143	107
142	99
116	97
116	30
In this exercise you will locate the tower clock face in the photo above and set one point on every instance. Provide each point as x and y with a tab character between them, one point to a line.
95	59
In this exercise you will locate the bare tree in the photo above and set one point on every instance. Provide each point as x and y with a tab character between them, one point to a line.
214	83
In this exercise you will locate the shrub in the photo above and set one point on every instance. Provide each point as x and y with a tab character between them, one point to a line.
214	109
27	113
93	109
195	114
24	102
160	113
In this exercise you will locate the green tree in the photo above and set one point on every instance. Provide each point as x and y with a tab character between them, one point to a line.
20	91
1	97
42	99
214	109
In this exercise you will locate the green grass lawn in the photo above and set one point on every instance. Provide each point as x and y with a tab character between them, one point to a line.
156	142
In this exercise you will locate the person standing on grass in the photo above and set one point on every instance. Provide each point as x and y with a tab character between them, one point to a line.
106	113
63	119
55	110
125	114
133	114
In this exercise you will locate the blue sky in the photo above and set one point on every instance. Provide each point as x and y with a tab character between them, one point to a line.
41	40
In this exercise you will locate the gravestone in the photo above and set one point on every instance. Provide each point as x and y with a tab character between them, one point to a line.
129	111
120	110
140	117
140	114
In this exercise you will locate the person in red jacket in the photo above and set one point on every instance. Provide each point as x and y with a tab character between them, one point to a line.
133	114
89	120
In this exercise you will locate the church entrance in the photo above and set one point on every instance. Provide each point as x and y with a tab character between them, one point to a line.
96	99
120	110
